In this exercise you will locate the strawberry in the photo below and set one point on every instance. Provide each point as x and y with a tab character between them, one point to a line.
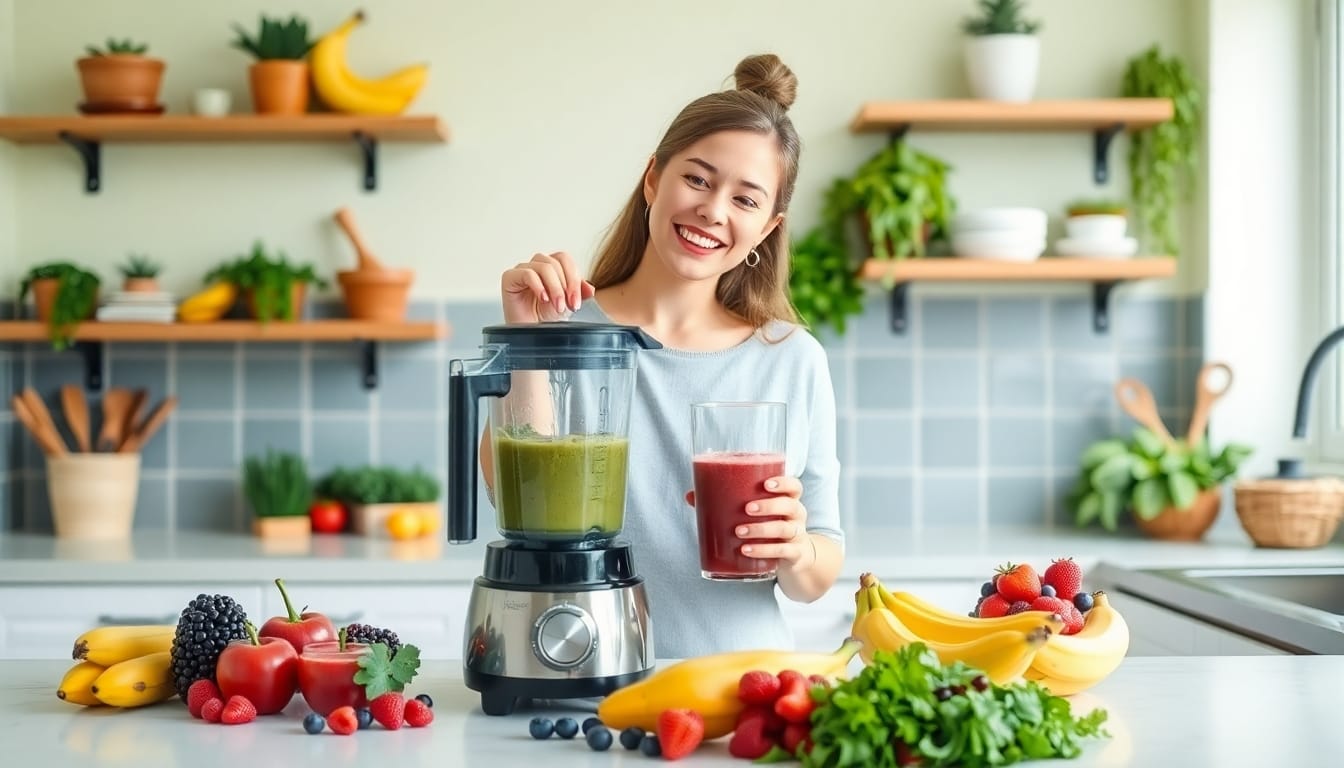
1018	606
211	710
993	607
1065	576
795	703
343	720
772	724
1073	620
794	735
750	740
1052	605
679	731
1018	582
418	714
238	711
758	687
200	692
389	710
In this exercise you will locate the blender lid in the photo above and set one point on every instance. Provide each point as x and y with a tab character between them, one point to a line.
563	336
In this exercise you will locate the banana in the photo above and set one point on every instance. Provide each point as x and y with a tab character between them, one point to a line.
208	304
106	646
344	91
1085	658
77	685
137	682
1055	685
932	622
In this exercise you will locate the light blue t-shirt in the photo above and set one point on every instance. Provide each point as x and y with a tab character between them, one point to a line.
692	616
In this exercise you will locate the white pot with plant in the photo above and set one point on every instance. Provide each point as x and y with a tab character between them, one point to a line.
1002	51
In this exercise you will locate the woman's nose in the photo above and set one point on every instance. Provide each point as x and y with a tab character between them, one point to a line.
712	210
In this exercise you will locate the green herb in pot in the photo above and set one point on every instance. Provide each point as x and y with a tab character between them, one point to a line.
75	301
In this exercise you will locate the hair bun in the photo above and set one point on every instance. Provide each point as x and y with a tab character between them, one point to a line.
766	75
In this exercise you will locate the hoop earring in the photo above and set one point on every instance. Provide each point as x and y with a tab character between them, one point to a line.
749	261
646	214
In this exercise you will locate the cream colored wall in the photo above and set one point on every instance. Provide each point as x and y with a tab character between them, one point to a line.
8	229
553	108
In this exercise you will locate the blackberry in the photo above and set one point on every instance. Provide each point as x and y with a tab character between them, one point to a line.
364	633
205	626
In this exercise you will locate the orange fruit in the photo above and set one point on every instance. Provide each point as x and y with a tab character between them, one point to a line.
429	521
404	524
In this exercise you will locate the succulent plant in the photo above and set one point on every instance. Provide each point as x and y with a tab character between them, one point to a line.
139	265
276	39
115	47
1000	17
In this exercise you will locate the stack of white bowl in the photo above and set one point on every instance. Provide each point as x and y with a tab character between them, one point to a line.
1096	236
1004	234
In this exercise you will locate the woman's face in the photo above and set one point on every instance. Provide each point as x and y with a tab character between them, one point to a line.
713	203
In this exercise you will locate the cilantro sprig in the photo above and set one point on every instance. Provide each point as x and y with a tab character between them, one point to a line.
380	673
890	714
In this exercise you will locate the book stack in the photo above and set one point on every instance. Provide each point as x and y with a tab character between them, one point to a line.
138	307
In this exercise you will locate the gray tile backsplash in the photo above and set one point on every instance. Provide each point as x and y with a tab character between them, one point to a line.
975	415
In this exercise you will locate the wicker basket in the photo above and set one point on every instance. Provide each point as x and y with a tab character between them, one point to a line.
1184	524
1290	513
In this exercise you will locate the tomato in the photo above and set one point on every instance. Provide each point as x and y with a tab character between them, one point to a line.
328	516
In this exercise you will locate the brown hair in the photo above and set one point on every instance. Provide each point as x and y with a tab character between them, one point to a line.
765	90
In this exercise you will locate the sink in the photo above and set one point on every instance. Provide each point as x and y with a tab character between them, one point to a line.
1321	589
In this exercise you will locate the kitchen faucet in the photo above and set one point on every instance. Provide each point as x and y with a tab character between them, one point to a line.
1293	467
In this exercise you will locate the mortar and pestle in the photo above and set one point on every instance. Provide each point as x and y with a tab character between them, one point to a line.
372	291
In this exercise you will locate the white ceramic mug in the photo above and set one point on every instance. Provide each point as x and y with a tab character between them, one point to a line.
211	102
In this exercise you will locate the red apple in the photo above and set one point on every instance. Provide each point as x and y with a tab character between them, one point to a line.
264	670
295	629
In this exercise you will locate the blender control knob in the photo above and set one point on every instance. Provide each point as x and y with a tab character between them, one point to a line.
564	636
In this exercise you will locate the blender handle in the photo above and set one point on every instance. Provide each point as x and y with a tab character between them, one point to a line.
464	390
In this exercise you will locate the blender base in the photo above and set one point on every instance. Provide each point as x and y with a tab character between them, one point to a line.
501	695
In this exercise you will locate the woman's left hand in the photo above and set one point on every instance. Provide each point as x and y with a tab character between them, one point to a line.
782	535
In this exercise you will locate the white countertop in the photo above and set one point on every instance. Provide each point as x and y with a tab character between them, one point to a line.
1188	712
156	556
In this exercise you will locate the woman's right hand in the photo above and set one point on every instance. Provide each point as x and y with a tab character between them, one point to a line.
545	288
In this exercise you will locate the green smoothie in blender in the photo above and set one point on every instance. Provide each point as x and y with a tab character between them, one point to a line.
559	486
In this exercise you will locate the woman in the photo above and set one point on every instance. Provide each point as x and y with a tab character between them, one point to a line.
698	259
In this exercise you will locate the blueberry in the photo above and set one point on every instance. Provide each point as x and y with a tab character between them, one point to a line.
364	717
599	737
566	728
987	589
1047	590
1083	602
649	745
314	723
540	728
589	725
631	737
424	699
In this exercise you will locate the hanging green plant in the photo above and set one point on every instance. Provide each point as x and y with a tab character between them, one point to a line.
1163	159
76	298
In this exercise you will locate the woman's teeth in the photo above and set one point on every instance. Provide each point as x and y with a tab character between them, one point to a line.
700	240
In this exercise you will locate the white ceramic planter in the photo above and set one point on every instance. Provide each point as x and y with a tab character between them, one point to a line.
1003	67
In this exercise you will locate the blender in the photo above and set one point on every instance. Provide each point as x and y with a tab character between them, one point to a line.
559	611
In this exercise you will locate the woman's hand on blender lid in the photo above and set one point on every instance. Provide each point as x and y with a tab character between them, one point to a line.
547	287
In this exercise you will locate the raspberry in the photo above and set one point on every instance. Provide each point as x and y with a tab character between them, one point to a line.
238	711
417	714
200	692
211	710
389	710
342	720
1073	620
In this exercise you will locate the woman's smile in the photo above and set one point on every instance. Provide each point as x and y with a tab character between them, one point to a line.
697	241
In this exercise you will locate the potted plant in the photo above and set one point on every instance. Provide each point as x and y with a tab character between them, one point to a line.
1172	487
1002	52
279	78
374	494
120	78
823	285
63	295
1096	220
139	274
1163	158
278	490
272	287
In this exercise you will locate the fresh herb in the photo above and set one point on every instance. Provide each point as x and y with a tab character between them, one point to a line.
277	485
378	485
268	281
888	715
379	672
76	298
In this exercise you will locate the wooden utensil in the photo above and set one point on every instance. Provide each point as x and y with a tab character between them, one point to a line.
135	410
1136	399
50	442
141	435
116	404
76	410
1213	381
367	261
43	416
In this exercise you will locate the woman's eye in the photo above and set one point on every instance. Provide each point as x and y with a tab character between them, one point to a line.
747	201
696	181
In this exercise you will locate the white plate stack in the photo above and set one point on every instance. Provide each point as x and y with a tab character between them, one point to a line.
1003	234
1096	236
138	307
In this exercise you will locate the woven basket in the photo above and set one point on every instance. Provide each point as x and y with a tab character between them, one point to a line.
1184	524
1290	513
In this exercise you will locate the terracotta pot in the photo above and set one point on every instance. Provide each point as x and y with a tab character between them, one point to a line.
121	80
1185	524
282	527
44	295
140	285
279	87
376	294
297	292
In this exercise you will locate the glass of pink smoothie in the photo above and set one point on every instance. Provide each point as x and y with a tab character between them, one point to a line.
736	447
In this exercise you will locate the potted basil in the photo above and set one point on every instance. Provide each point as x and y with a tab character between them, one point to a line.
272	287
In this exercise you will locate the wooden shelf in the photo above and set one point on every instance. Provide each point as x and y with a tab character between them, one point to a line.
1104	274
87	133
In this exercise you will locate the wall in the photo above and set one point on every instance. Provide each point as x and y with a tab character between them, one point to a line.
8	238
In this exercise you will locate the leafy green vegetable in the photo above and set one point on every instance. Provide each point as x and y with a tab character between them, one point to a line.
380	673
889	714
378	485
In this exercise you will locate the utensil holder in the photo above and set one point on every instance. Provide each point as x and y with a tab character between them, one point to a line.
93	494
1290	513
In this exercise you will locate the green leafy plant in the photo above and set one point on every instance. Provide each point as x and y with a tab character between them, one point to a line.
277	485
276	39
380	671
822	283
139	265
1147	475
1097	206
116	47
269	280
1163	158
378	485
893	701
76	298
1000	17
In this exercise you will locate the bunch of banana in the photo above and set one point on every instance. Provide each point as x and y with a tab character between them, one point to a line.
1003	651
1073	663
127	666
344	91
209	304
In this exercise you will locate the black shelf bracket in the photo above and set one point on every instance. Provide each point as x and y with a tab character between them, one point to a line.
91	153
1101	148
92	352
898	307
368	355
1101	298
369	148
898	132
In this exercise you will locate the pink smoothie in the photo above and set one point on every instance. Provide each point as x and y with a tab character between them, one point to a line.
724	484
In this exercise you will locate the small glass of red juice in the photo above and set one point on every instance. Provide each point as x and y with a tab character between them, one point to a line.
737	446
327	676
